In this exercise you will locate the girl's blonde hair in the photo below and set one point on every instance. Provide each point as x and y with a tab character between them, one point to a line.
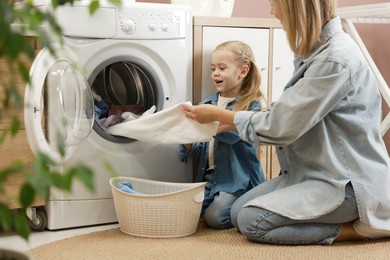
250	88
303	21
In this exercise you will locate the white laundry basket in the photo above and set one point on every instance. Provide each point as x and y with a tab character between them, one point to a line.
164	210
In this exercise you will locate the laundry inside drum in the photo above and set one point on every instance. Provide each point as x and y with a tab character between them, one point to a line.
121	87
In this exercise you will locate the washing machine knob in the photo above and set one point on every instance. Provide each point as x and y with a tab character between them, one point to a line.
165	27
128	26
152	27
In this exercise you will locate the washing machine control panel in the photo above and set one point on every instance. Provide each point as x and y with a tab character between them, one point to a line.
152	24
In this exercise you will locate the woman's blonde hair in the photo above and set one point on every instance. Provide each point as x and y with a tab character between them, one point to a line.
303	21
250	88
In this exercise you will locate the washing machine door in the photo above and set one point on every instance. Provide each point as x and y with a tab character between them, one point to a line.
59	109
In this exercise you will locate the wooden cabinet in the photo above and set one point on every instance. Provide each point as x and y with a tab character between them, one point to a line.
272	55
15	148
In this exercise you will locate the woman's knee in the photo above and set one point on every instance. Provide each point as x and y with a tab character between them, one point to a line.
253	222
244	222
255	192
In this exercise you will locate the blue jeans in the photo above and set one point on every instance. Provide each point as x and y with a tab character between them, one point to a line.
264	226
216	208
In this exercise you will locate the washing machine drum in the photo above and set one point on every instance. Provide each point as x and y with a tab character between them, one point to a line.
125	83
121	87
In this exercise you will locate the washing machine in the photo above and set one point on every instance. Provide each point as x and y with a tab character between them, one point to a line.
131	57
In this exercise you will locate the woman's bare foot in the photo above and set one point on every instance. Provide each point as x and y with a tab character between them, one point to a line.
348	233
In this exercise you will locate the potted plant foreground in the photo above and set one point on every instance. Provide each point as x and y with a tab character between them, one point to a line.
38	177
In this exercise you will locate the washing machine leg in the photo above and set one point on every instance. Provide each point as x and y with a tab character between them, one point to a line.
38	218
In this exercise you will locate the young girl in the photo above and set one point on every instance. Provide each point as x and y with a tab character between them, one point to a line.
335	170
227	163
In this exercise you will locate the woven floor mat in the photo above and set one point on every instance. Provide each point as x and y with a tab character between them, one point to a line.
206	243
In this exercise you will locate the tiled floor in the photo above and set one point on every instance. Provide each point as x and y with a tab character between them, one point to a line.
14	242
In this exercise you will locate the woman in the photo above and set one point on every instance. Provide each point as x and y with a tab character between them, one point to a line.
335	171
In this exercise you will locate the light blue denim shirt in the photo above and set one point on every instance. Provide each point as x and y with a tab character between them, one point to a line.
235	163
325	127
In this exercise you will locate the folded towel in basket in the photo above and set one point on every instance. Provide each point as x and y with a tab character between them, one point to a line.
169	126
127	187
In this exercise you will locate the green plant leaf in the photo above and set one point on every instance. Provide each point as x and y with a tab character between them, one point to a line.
15	125
61	145
23	70
61	181
85	175
27	195
21	223
62	2
93	6
3	135
14	96
14	167
116	2
5	217
110	169
43	161
39	178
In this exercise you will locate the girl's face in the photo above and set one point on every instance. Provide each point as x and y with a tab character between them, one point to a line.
226	74
276	10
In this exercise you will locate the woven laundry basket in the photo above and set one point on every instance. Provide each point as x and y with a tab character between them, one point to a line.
165	209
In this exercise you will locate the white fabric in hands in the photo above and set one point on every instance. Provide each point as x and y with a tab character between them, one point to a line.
169	126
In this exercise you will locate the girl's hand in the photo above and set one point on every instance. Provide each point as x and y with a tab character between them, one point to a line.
201	113
225	128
